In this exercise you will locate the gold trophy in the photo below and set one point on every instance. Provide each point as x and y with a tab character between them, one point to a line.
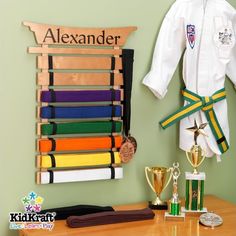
158	184
195	180
196	155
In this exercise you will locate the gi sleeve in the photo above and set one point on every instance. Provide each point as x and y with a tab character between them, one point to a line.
231	66
169	47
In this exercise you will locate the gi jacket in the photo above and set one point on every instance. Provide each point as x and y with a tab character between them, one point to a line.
205	31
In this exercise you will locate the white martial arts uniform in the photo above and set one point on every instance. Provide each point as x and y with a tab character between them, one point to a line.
206	29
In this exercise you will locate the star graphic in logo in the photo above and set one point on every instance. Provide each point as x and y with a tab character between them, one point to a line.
25	200
32	195
37	208
32	202
28	208
39	200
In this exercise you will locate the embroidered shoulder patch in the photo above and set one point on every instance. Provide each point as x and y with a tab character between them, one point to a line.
191	35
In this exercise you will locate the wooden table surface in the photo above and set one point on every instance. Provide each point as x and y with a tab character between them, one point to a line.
157	226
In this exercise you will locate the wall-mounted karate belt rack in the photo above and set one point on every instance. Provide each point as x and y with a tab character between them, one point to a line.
83	95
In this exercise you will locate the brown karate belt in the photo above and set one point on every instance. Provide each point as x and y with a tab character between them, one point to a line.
110	217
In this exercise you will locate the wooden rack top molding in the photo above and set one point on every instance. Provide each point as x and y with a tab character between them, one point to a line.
60	35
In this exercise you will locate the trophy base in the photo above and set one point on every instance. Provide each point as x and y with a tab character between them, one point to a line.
162	206
194	212
179	217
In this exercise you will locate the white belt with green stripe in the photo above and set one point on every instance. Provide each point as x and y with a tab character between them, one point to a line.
205	104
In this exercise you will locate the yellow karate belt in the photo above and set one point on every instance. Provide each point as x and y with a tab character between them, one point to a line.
78	160
205	104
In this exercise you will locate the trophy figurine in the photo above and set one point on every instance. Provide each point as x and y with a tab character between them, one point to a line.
174	202
195	180
158	183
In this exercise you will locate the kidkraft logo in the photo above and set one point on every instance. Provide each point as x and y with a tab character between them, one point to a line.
31	218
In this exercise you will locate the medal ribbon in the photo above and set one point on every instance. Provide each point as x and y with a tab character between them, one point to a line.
127	65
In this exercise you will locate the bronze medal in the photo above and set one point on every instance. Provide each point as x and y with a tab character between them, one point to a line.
134	142
127	150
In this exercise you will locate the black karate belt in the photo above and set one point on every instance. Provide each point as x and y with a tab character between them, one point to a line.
53	160
51	176
78	210
127	65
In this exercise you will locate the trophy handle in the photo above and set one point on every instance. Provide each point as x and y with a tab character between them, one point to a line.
170	177
188	158
147	169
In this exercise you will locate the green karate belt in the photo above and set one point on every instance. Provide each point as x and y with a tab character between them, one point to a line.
81	127
197	103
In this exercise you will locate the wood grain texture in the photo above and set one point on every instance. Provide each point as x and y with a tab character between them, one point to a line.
155	227
77	63
69	50
82	79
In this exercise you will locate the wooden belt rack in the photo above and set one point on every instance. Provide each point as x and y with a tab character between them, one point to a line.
79	59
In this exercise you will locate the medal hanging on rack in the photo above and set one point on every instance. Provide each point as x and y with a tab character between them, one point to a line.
128	149
134	142
129	144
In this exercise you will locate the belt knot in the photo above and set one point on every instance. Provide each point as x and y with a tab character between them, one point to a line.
207	103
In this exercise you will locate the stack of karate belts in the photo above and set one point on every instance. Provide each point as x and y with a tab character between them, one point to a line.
89	215
80	128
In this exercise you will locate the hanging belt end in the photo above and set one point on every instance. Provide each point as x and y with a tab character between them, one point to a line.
162	126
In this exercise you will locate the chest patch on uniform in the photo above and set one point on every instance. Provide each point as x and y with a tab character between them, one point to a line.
225	37
191	35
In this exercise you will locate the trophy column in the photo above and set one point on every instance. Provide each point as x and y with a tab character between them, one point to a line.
194	191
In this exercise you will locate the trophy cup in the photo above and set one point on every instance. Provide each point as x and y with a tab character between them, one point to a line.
195	180
158	184
174	202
